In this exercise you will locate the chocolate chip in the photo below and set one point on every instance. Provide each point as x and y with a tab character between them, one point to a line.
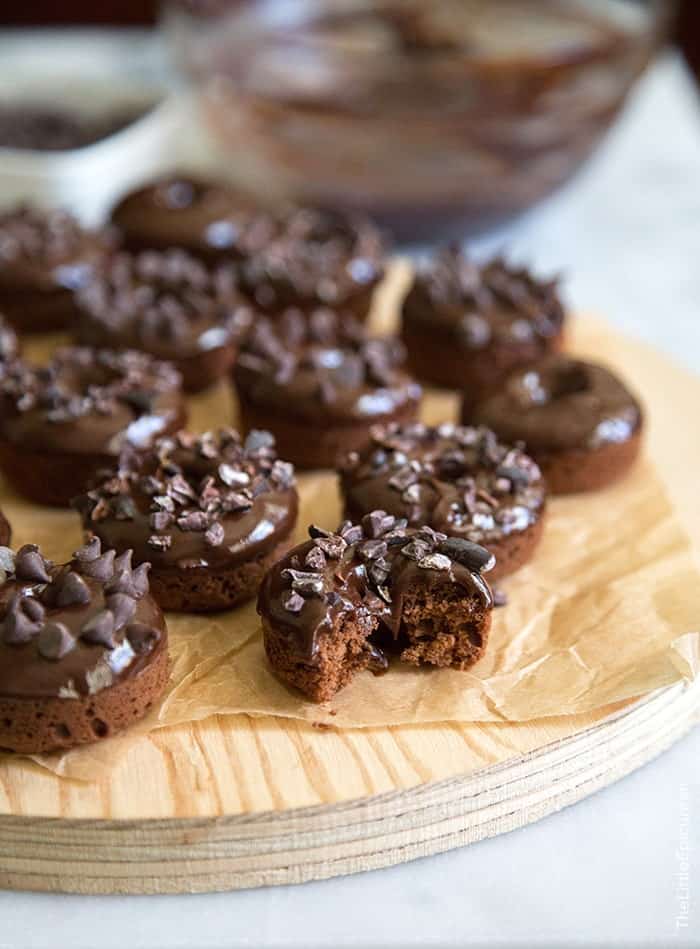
193	521
72	590
308	584
100	569
293	603
141	637
139	579
99	629
89	551
470	555
122	606
22	620
233	477
30	566
315	559
215	535
55	641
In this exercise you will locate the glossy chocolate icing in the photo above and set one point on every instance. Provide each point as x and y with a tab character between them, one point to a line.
189	502
318	258
70	631
89	401
167	304
457	480
207	219
363	569
323	368
47	251
478	306
562	404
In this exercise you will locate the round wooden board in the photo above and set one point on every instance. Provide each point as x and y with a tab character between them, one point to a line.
235	802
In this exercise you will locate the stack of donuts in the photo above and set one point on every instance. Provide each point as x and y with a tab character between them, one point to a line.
192	285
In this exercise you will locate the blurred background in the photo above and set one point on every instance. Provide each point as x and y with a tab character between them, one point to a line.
544	125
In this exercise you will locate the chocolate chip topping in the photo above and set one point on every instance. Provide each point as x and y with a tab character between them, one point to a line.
47	248
317	258
53	613
460	480
483	304
323	365
370	566
195	498
167	303
81	382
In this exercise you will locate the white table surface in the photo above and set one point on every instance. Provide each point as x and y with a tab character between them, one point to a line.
604	872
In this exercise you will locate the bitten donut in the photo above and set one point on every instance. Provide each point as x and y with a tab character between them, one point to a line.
335	604
170	306
318	258
211	513
206	219
466	326
61	423
318	383
83	648
45	258
577	419
458	480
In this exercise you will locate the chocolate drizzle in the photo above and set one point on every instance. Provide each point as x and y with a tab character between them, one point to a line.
60	634
194	501
323	366
458	480
482	305
363	568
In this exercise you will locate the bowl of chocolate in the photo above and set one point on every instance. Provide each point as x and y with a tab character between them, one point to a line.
434	117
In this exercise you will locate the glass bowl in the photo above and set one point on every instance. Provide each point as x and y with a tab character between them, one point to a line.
431	116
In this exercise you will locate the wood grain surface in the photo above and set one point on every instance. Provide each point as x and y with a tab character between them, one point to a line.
237	801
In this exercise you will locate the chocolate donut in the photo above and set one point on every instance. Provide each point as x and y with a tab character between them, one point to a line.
61	423
210	513
209	220
318	383
319	258
577	419
45	257
83	648
466	326
457	480
169	305
339	603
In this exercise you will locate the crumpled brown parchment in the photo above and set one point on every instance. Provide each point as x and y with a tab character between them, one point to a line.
609	609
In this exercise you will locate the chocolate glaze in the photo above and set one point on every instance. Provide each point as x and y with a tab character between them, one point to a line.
477	307
458	480
62	632
89	401
562	404
363	569
47	251
167	304
323	368
206	219
318	258
208	501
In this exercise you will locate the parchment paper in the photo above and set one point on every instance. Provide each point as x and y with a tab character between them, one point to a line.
609	609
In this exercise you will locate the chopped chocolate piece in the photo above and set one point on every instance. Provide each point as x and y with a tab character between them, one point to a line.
372	549
193	521
472	556
215	535
160	541
308	584
315	559
294	603
332	546
435	562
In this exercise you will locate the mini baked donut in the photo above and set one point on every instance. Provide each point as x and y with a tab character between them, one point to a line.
61	423
318	383
45	257
169	305
209	220
458	480
466	326
318	258
577	419
83	648
339	603
210	513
